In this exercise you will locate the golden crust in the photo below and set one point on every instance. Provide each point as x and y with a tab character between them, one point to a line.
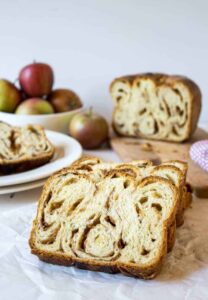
171	236
25	165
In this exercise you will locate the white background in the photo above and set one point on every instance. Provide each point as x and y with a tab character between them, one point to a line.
88	43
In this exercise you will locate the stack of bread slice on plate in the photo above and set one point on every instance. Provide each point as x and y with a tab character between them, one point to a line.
111	217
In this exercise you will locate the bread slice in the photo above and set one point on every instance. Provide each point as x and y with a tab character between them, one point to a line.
23	148
110	223
175	170
156	106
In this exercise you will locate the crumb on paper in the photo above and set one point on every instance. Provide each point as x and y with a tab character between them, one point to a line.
147	147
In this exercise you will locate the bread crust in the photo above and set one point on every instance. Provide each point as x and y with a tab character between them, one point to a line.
110	268
27	162
160	79
171	236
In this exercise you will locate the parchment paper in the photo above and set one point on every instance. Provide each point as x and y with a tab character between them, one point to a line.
23	276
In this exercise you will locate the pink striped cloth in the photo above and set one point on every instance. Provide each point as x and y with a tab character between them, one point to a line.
199	154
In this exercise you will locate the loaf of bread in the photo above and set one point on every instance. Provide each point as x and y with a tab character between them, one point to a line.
155	106
23	148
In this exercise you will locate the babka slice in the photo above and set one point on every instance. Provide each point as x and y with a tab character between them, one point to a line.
110	223
23	148
174	170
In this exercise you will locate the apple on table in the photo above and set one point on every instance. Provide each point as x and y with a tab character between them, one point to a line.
89	128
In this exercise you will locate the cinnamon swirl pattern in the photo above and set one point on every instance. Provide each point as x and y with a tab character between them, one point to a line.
175	171
23	148
109	222
156	106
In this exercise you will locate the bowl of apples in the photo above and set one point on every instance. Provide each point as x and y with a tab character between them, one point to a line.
36	102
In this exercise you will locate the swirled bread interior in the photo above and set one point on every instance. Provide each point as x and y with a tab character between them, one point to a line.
110	222
23	148
173	170
156	106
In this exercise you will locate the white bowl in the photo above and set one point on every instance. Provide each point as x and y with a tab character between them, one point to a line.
56	122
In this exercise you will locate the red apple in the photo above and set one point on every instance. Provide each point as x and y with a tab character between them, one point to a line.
90	129
10	96
34	106
36	80
64	100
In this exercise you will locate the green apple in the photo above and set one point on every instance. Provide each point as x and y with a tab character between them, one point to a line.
34	106
10	96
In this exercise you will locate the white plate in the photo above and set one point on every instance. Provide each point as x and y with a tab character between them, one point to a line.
67	151
22	187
